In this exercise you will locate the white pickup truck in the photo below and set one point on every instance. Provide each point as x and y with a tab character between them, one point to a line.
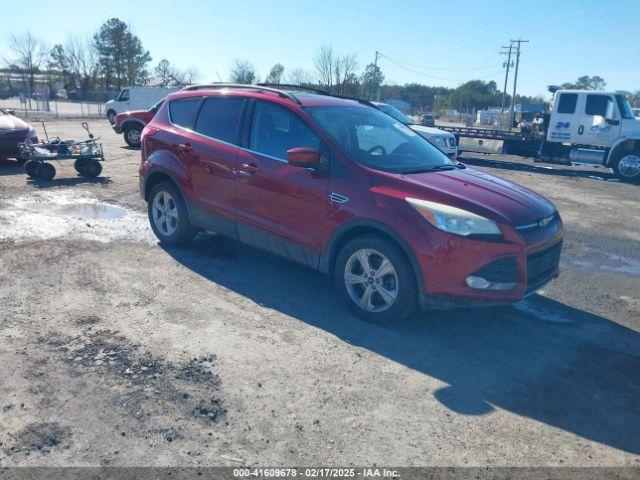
594	127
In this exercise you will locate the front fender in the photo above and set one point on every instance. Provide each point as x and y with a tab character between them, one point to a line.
631	135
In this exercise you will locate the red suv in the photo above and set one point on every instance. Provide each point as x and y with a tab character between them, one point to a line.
344	188
131	123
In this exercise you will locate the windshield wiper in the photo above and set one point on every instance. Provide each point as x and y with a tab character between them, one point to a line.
436	168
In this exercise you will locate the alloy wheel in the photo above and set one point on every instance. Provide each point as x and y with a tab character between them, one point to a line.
371	280
165	213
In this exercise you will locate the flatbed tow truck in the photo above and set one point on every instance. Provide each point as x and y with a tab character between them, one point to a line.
584	126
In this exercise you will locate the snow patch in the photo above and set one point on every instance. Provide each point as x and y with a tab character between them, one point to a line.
70	214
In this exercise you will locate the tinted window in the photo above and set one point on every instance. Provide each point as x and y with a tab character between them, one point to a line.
183	111
276	130
597	105
567	102
219	118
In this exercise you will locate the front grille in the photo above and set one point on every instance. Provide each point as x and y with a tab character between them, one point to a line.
541	266
548	222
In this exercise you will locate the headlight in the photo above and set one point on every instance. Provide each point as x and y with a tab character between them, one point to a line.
437	141
454	220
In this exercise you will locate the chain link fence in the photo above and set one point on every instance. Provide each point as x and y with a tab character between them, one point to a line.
45	106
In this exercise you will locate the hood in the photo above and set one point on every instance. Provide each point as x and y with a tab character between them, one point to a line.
10	124
481	193
429	130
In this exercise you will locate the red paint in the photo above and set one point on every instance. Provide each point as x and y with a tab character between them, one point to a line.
292	202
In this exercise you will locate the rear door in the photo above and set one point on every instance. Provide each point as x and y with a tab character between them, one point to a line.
565	120
213	153
280	207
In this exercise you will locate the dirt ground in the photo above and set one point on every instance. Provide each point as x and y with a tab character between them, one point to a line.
115	351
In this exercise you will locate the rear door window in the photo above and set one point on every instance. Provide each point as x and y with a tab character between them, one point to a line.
182	112
219	118
567	103
276	130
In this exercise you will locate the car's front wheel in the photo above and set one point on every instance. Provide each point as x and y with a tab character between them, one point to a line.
168	215
375	279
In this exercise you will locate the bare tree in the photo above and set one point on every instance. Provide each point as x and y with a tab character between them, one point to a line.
335	72
299	76
30	53
324	62
243	72
83	62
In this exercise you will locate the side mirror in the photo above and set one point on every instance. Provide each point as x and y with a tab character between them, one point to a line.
306	157
11	112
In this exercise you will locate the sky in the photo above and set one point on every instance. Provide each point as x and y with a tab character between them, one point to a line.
431	42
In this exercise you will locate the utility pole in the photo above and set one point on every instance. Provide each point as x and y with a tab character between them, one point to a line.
506	76
515	80
375	64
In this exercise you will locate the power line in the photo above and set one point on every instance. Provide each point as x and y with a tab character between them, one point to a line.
434	77
424	67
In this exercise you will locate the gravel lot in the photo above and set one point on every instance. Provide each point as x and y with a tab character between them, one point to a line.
115	351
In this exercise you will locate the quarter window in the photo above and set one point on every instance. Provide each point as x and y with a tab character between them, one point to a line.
183	111
276	130
567	103
219	118
598	105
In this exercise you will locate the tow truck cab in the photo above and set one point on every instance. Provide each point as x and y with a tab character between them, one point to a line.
597	128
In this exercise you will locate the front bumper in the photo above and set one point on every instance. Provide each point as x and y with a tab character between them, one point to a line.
517	266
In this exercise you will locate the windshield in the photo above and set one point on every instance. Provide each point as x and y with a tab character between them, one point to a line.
395	113
157	106
624	106
378	141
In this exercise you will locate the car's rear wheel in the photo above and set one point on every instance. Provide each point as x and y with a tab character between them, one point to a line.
132	135
111	116
375	279
168	215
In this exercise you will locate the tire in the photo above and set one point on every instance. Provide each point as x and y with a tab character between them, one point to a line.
132	135
398	283
79	165
626	165
46	171
31	168
92	168
111	116
175	228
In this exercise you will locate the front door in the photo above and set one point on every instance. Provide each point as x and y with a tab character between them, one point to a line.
280	207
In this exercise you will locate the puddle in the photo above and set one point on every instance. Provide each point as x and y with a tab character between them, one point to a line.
86	211
71	214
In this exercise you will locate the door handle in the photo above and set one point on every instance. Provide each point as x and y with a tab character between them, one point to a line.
185	148
251	168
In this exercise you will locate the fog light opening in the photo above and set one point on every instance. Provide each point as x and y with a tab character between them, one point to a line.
480	283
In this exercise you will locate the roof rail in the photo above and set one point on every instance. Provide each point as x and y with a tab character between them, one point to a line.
208	86
290	86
